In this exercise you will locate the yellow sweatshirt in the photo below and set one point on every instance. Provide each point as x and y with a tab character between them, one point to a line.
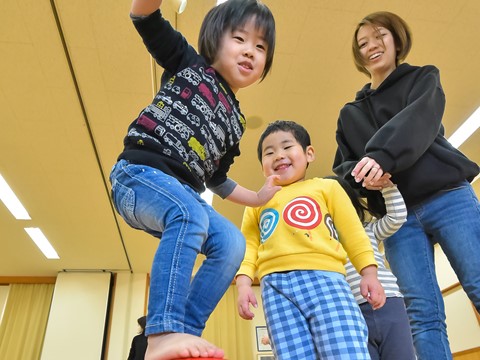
295	231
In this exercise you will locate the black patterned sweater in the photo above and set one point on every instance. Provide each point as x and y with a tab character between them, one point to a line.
193	126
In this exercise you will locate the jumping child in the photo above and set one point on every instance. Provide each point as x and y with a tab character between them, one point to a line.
184	141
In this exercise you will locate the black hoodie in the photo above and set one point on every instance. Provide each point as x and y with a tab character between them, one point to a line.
399	125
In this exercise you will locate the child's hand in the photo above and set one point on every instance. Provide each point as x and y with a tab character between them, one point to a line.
268	190
245	297
371	289
388	183
381	183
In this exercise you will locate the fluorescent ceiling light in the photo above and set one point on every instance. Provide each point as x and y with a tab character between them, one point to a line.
11	201
207	195
42	242
220	2
180	5
466	129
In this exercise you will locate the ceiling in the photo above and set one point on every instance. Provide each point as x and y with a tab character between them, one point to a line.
74	74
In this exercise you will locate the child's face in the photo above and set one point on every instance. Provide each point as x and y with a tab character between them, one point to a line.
282	155
377	48
241	56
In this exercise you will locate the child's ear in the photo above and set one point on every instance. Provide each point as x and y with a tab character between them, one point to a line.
310	152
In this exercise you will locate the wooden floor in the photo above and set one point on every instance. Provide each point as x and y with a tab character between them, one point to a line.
472	354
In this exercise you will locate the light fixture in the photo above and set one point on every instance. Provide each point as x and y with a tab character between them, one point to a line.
207	195
220	2
42	242
11	201
466	129
179	5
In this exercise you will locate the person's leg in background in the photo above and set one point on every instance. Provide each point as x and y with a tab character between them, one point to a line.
374	331
389	333
410	253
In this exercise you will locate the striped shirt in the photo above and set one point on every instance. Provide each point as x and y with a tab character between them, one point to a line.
379	230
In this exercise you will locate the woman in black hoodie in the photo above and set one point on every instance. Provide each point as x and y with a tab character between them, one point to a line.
393	129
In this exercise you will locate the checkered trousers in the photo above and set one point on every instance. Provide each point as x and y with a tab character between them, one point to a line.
313	315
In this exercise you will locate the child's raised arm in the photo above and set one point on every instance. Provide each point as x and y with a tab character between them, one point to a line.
396	214
144	7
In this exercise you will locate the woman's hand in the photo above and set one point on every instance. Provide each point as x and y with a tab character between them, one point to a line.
371	173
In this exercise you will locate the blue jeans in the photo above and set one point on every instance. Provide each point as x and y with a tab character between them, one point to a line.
157	203
451	219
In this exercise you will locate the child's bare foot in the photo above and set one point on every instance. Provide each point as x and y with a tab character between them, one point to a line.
168	346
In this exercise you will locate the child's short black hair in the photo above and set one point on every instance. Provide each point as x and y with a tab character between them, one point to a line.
142	321
299	133
231	15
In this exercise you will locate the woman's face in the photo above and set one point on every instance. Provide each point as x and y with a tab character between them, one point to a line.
377	48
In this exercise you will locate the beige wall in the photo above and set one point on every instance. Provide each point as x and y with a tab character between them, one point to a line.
3	298
78	315
462	324
77	319
128	305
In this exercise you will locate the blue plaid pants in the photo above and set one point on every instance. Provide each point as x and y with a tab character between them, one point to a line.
313	315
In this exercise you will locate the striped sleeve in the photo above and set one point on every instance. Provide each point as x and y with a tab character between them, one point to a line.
396	214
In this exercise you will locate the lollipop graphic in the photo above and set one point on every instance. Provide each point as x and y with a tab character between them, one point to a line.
303	213
268	223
